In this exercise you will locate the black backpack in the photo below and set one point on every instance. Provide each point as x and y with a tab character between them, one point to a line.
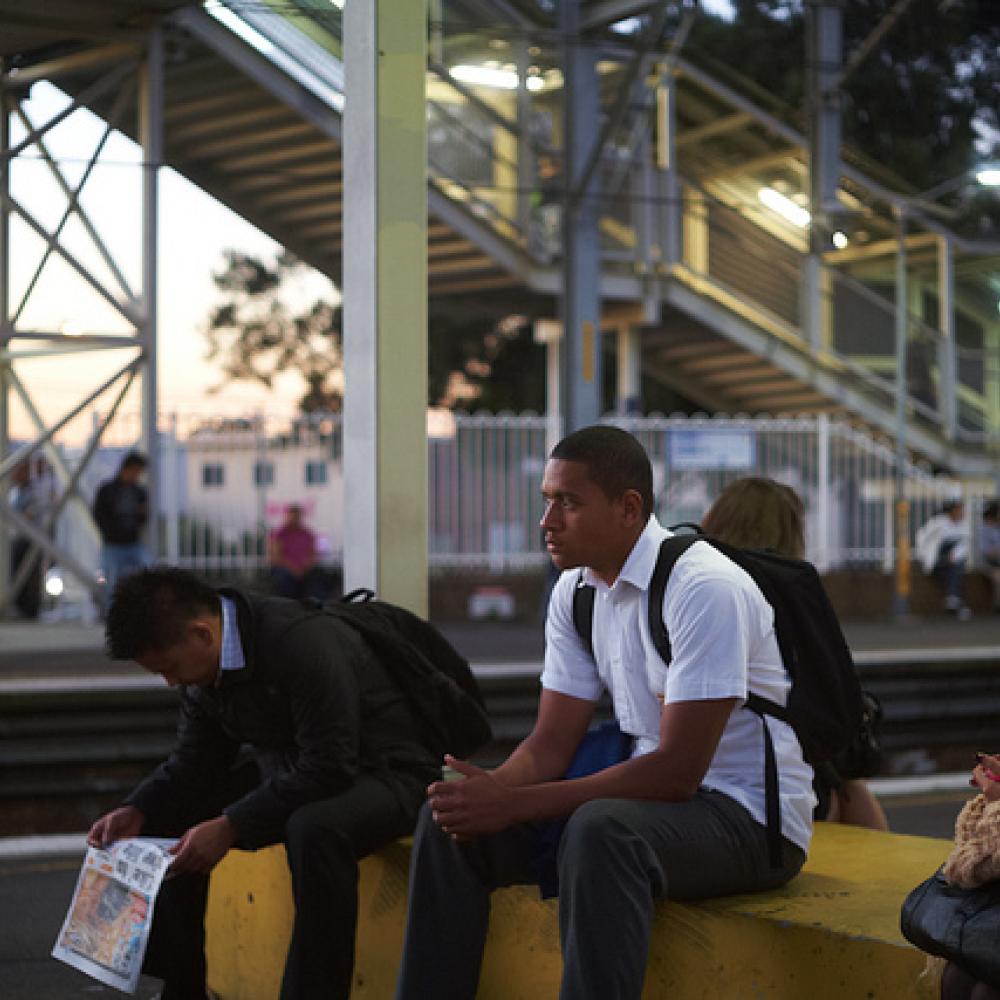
435	678
825	704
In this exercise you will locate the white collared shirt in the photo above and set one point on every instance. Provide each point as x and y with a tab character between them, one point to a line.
723	643
231	652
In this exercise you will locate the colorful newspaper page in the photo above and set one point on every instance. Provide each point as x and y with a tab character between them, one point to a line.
107	926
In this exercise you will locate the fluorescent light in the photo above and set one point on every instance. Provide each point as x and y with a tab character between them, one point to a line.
839	240
498	79
989	177
785	207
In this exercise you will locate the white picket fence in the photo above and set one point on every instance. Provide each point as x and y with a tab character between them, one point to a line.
225	484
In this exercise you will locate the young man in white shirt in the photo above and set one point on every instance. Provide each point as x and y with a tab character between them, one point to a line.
683	817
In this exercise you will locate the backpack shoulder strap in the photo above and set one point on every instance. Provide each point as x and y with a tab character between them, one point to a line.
671	549
583	612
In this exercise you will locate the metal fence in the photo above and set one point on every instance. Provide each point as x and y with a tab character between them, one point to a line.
225	484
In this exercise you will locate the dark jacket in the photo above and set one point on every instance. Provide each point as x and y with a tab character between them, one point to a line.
120	510
314	705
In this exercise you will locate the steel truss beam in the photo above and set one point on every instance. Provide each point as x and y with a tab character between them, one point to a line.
135	79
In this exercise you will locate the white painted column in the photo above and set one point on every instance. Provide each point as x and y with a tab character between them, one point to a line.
4	331
948	351
171	494
385	300
151	130
823	486
549	333
629	389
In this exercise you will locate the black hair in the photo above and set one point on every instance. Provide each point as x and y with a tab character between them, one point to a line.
615	461
134	458
150	610
991	510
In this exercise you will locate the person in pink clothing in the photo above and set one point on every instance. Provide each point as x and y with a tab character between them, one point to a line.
292	554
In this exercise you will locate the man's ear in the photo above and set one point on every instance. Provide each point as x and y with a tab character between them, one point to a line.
631	503
203	631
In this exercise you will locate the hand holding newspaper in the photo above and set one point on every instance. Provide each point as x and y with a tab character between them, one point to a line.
107	926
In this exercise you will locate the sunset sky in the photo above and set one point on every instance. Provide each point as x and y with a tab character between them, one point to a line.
194	231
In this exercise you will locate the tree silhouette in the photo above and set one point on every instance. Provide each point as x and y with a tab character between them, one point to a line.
255	335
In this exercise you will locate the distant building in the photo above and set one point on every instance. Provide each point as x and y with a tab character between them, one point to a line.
239	477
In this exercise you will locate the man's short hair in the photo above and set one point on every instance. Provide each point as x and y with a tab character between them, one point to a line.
150	610
615	461
134	459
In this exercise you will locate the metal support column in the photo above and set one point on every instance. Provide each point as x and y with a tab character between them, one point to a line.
948	349
385	300
526	172
645	218
580	306
666	162
824	57
4	326
824	26
151	134
43	422
901	596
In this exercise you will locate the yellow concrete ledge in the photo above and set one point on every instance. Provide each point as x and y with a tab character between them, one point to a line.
831	934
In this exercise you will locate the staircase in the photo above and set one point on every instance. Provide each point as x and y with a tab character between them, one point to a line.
252	115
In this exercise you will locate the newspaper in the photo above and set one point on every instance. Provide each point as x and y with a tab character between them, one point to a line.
107	926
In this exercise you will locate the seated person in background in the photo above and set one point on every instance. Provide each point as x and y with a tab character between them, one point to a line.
758	513
942	546
26	500
291	731
292	555
989	546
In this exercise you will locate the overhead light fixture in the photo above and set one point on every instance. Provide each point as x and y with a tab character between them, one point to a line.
839	240
989	176
498	79
784	206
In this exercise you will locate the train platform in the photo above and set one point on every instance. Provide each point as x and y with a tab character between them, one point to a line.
66	649
37	874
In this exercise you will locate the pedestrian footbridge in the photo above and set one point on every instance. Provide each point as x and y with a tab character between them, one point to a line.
707	275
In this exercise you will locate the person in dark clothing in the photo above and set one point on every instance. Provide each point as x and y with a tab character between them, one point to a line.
121	507
26	500
338	768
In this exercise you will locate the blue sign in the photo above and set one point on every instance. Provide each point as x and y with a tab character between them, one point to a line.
712	448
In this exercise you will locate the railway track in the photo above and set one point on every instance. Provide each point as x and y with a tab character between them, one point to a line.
72	747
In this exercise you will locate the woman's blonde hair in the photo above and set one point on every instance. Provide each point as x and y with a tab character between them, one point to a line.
758	513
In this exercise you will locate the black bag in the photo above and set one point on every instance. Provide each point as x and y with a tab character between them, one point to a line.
435	678
862	757
961	925
825	706
601	747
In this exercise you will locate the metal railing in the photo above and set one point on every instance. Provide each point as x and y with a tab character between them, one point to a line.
225	484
